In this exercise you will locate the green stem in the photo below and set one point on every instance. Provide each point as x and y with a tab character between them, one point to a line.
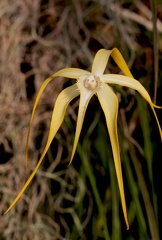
144	119
116	226
145	195
156	45
92	180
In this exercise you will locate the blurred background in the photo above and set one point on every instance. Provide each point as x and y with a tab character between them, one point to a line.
81	201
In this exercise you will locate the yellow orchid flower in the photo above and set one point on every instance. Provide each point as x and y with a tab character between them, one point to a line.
88	84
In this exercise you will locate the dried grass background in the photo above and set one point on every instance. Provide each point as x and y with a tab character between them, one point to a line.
38	38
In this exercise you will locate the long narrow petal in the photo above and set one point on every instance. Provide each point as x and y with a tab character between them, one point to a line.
100	61
102	57
109	104
85	96
57	117
118	58
134	84
66	72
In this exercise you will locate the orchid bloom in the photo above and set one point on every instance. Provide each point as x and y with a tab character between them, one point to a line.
88	84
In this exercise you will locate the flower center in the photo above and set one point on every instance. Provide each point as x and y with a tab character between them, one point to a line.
91	82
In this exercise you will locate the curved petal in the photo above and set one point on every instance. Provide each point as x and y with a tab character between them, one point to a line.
66	72
118	58
100	61
109	104
102	57
134	84
57	117
85	96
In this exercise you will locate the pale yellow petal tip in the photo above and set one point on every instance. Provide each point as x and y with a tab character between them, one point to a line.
70	162
156	106
12	204
7	211
126	222
127	226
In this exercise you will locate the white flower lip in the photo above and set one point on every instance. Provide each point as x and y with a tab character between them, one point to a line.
91	82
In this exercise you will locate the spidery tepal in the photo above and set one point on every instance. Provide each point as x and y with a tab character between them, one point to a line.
86	84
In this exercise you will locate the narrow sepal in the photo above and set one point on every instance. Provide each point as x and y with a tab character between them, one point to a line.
134	84
73	73
85	97
109	104
57	117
